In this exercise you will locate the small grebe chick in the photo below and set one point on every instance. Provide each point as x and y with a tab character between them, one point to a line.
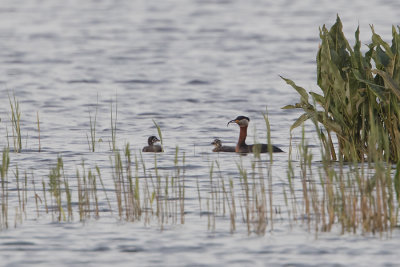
220	148
151	147
241	146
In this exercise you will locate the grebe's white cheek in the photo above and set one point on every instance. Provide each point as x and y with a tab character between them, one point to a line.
243	122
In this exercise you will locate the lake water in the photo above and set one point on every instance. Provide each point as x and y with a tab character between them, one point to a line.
191	66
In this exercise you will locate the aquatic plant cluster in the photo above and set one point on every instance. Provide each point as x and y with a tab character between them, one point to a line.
361	96
344	191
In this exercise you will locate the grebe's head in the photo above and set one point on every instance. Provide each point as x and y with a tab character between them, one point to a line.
217	142
152	139
242	121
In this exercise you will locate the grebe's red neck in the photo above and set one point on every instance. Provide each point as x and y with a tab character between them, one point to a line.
242	138
243	122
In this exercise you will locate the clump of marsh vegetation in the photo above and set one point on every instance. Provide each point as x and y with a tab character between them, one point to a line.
352	196
360	100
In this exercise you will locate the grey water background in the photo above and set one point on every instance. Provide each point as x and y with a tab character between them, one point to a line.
191	66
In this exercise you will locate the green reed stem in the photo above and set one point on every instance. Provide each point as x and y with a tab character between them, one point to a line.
92	124
114	126
4	188
16	123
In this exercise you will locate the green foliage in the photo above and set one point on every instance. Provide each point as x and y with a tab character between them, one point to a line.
360	95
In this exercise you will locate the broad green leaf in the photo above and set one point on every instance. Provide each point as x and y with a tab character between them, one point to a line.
396	50
389	82
382	60
318	98
300	90
357	51
289	107
378	90
300	120
377	40
332	126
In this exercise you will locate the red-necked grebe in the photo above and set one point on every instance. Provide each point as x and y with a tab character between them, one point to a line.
241	146
220	148
151	147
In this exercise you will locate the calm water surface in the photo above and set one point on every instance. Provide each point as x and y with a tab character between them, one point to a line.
191	66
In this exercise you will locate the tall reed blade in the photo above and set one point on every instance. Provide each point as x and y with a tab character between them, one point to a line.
92	124
16	122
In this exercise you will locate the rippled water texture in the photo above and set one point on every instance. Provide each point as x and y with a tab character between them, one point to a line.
191	66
